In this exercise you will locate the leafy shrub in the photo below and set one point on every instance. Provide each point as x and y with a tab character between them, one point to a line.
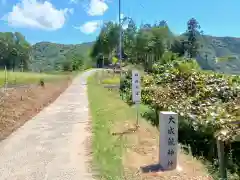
125	86
191	65
168	57
205	102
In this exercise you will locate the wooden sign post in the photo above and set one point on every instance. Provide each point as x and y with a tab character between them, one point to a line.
168	122
136	90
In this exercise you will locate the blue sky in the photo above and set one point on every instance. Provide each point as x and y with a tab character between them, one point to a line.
76	21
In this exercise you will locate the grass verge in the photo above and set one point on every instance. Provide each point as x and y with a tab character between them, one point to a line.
107	111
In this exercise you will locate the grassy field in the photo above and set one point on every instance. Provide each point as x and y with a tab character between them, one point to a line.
27	77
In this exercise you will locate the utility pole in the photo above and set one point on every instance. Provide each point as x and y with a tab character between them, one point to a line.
120	36
143	9
22	65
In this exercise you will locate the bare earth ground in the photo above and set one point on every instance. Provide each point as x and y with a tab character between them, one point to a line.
143	149
50	145
18	105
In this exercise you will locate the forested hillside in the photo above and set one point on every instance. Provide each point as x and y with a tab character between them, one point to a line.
49	56
17	54
220	54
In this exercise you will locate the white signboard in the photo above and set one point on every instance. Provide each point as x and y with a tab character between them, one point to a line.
168	122
136	86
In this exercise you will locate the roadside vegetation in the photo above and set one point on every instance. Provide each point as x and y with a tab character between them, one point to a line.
208	103
119	148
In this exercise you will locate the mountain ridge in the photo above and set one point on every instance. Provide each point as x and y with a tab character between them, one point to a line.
47	56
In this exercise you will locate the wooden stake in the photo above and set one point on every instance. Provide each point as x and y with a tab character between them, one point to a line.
5	79
221	159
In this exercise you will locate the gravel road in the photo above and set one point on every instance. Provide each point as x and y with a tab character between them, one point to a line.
50	145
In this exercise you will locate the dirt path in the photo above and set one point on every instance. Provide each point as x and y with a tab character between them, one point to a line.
50	145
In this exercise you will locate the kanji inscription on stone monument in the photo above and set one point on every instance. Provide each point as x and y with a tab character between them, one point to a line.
168	122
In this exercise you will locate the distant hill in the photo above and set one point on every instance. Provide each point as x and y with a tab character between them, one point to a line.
47	56
220	54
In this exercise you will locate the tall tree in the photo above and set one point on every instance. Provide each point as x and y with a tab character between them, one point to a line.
107	42
129	42
14	50
145	45
193	31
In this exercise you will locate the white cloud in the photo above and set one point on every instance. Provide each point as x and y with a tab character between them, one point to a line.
90	26
97	7
37	14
